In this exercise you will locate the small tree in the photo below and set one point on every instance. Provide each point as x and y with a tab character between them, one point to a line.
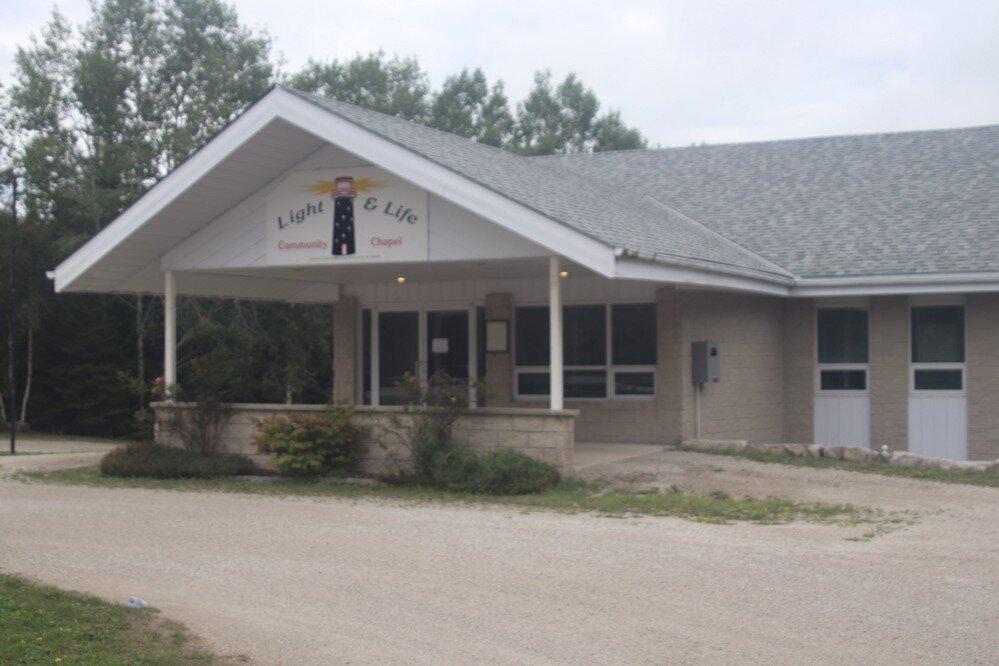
213	376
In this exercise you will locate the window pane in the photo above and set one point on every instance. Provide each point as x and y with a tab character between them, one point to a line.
634	334
584	335
842	335
939	380
366	356
398	353
634	383
531	331
585	384
938	334
533	383
843	380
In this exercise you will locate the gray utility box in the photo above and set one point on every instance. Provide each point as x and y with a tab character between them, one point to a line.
707	364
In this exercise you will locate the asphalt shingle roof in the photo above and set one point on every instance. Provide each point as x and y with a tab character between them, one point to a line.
614	216
879	204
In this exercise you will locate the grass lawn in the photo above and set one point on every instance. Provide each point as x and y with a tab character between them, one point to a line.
968	477
44	625
570	496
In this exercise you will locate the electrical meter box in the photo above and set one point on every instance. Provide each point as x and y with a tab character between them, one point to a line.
707	364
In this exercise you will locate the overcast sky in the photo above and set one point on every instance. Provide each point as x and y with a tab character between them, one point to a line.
683	72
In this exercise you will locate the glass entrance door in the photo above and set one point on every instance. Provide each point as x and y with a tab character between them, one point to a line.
447	343
398	353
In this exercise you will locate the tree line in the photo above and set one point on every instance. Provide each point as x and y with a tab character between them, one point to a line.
95	114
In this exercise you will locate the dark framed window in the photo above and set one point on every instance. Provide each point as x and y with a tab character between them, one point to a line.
938	380
591	357
843	380
533	383
585	383
633	331
584	335
843	335
634	383
366	356
531	336
938	334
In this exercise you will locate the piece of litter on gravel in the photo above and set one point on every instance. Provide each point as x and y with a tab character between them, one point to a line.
136	602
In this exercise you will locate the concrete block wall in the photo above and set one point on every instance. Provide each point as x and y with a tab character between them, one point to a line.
982	321
539	433
345	366
499	365
800	356
748	402
888	384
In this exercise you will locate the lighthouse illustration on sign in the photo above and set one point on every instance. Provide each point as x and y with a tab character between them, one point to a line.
344	190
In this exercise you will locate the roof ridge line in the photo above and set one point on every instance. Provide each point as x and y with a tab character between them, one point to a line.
762	142
724	238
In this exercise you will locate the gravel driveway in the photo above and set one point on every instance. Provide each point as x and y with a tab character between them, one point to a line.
302	581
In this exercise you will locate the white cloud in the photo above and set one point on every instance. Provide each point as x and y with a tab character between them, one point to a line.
684	71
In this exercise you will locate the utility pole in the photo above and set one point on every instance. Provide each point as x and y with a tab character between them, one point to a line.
10	176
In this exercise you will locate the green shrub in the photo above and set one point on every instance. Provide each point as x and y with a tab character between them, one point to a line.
509	472
311	444
164	462
440	461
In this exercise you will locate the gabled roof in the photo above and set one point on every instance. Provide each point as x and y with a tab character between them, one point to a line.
620	218
874	205
891	213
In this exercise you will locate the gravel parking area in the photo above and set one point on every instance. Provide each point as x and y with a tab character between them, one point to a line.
332	581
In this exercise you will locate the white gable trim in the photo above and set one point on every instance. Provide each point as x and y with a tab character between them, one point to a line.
638	269
552	235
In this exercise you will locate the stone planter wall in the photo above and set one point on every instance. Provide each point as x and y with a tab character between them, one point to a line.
540	433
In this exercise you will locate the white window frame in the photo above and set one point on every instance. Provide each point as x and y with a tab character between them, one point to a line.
819	367
942	365
608	367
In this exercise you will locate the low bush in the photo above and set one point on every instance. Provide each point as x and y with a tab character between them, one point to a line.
440	461
505	472
311	444
155	461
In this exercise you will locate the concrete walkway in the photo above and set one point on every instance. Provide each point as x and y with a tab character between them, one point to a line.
42	452
307	581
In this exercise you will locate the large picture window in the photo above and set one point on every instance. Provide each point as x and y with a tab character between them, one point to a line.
843	349
937	339
607	351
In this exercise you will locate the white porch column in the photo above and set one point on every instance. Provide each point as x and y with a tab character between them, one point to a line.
555	330
169	329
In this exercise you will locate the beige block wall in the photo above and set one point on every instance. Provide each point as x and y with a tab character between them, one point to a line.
539	433
499	366
345	368
652	421
889	372
748	402
982	318
799	370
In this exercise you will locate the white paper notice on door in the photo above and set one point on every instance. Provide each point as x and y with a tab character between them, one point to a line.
439	345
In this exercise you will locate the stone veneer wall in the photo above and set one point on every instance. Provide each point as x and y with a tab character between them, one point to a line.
889	372
540	433
982	317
